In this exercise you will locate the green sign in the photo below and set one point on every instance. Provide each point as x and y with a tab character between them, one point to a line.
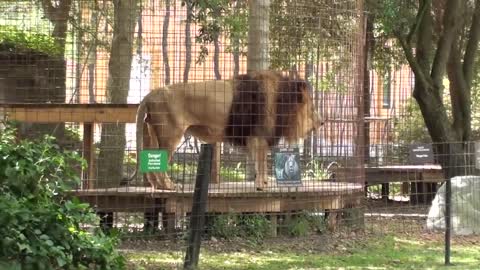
153	161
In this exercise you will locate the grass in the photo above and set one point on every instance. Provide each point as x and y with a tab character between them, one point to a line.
389	252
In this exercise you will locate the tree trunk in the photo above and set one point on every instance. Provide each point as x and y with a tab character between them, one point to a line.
307	142
236	43
188	42
430	64
188	53
92	57
258	35
368	54
58	16
216	58
166	23
258	52
112	145
79	52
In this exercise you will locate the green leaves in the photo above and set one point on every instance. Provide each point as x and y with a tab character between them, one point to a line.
14	39
41	222
219	17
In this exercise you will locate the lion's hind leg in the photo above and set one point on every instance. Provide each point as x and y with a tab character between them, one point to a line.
168	136
150	142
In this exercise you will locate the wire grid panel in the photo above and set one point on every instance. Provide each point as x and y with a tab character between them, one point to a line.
94	63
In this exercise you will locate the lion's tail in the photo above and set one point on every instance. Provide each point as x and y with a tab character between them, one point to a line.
140	123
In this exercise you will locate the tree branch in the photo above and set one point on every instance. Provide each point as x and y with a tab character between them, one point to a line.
472	46
419	62
414	65
418	20
49	9
450	31
55	14
459	94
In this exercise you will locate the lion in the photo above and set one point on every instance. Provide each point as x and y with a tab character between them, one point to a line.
252	110
291	168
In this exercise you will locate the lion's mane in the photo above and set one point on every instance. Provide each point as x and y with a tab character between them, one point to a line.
264	104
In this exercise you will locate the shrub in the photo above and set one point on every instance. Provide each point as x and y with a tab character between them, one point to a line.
15	39
252	227
225	226
298	226
39	223
305	223
255	227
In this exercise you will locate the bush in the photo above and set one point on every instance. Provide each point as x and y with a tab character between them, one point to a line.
18	40
304	223
225	226
255	227
39	224
252	227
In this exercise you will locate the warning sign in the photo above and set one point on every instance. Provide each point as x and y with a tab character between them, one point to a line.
421	154
153	161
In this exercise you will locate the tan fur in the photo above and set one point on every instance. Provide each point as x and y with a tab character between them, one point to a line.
202	110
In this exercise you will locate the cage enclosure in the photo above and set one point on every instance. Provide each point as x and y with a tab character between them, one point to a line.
244	76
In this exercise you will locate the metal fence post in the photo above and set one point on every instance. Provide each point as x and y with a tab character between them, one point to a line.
199	203
448	212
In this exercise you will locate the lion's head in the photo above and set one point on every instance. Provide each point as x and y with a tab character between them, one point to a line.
291	168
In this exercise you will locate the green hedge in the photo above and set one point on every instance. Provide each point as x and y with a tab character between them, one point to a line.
39	224
16	40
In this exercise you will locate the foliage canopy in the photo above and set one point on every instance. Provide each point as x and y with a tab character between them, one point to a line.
39	223
15	40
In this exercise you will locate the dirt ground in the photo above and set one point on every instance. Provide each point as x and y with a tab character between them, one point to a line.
381	218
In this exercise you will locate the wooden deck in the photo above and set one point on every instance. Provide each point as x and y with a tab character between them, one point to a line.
396	173
226	197
81	113
420	182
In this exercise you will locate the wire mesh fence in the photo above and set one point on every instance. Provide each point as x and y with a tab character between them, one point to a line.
295	152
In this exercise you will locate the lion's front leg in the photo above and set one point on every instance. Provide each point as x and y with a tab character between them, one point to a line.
258	149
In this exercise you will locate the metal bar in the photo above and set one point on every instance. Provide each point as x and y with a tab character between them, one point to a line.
199	206
89	156
448	212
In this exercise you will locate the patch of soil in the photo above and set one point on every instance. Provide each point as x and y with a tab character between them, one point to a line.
395	207
339	241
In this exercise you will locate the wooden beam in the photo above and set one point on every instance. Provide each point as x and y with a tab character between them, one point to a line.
215	173
89	156
80	113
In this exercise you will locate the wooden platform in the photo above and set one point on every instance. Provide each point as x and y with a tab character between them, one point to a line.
419	181
396	173
81	113
226	197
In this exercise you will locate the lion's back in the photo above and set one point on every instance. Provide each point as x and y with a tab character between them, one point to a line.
206	102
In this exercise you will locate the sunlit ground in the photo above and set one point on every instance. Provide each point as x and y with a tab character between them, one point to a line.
380	247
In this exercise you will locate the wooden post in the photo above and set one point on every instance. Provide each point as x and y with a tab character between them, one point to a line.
274	224
385	191
106	220
89	156
151	217
199	205
215	173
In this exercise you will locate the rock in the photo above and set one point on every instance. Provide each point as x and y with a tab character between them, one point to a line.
465	207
